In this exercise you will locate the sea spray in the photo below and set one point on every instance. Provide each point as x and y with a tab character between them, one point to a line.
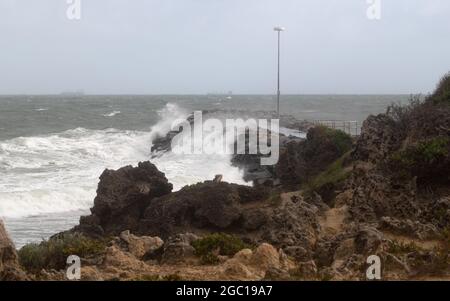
59	172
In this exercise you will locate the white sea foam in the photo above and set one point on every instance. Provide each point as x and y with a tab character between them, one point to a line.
183	169
167	116
112	114
59	172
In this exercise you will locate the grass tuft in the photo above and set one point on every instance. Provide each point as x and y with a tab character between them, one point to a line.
53	253
209	247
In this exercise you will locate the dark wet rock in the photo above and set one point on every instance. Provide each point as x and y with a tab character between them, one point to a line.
211	206
218	178
122	197
163	144
253	220
250	163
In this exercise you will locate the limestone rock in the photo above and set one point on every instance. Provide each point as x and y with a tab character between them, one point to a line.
409	228
265	257
117	258
292	224
178	248
308	269
379	138
139	246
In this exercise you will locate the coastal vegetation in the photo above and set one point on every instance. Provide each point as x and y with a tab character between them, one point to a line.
328	181
428	160
424	130
442	92
53	253
209	247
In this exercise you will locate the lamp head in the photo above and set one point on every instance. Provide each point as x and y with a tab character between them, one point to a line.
279	28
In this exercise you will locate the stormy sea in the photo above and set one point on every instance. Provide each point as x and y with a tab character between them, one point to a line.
54	148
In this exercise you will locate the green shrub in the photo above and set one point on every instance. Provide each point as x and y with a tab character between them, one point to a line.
328	181
322	147
53	253
341	140
401	114
32	257
209	247
333	174
426	160
442	92
396	247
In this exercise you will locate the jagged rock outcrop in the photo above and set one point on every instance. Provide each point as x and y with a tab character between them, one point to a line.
209	205
251	163
128	200
292	224
10	269
299	159
122	197
371	195
379	137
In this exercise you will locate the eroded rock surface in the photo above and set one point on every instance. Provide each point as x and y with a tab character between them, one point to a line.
122	196
10	269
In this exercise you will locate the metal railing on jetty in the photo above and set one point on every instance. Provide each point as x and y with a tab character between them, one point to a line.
353	128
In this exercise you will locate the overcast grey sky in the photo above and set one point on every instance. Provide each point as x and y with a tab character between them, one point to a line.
200	46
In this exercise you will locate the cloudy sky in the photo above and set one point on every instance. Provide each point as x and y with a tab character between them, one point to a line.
200	46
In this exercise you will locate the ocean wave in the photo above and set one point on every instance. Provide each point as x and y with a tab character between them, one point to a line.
59	172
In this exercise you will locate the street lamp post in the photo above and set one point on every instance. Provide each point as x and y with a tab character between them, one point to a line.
278	29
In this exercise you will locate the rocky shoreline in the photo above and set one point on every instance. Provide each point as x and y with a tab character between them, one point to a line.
329	203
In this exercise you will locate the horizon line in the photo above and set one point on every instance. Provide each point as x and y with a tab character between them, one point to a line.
211	94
